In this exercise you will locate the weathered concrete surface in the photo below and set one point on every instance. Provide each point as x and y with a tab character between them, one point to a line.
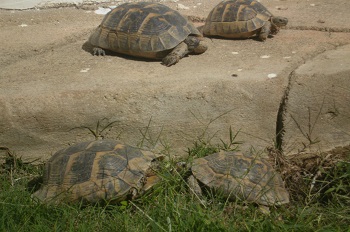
28	4
51	87
317	104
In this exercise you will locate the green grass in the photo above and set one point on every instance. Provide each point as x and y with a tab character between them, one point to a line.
320	202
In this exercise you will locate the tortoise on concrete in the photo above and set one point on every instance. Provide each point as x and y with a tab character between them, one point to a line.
242	19
98	171
236	175
149	30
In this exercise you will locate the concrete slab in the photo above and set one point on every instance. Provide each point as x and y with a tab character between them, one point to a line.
317	110
52	89
28	4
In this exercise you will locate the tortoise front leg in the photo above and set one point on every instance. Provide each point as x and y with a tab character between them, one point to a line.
195	189
98	51
176	54
265	31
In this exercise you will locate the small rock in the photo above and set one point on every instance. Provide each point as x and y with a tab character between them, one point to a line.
84	70
234	75
235	53
312	4
239	70
265	56
182	7
287	57
281	8
320	21
272	75
23	25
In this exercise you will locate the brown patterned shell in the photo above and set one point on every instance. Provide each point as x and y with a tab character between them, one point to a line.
236	19
95	171
142	29
245	177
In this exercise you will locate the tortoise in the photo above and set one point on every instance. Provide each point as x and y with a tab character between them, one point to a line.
242	19
98	172
236	175
148	30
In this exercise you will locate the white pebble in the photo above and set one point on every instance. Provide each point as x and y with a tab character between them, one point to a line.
287	57
272	75
235	53
23	25
312	4
182	7
239	70
84	70
265	56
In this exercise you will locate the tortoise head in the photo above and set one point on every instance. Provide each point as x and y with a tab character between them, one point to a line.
151	177
195	44
279	21
276	23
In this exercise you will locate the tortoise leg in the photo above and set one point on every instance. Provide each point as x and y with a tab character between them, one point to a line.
150	182
98	51
194	186
196	189
265	31
176	54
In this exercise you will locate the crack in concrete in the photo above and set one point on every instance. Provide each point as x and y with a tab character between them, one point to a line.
280	129
318	28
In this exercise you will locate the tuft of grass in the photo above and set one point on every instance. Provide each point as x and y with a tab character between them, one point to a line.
203	147
101	129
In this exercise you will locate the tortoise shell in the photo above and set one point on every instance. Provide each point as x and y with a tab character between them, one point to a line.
236	19
236	175
98	171
142	29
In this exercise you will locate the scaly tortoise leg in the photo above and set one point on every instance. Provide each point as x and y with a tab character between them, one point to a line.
176	54
265	31
98	51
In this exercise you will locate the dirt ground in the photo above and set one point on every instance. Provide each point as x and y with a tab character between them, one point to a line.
45	50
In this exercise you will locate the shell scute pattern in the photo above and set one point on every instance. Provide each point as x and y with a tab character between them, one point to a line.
241	19
95	171
142	26
238	175
79	167
149	30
